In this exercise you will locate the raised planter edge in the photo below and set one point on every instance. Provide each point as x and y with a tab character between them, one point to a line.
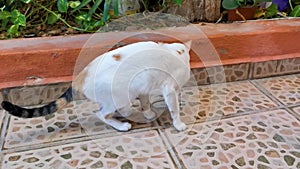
52	59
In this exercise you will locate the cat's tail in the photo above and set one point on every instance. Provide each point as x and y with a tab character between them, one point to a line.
39	111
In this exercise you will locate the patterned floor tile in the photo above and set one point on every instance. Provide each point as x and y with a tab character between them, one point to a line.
228	73
2	115
137	151
76	120
284	88
217	100
264	140
200	76
297	110
264	69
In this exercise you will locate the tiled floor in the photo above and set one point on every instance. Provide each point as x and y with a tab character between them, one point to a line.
246	124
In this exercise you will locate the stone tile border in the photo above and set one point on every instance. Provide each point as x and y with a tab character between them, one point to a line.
76	120
137	150
275	68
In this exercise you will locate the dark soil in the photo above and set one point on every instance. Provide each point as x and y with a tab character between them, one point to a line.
139	21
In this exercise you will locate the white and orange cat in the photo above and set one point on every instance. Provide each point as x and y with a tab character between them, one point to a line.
118	77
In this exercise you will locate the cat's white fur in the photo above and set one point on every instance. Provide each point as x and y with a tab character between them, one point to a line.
117	78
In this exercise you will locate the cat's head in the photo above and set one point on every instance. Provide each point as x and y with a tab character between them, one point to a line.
182	49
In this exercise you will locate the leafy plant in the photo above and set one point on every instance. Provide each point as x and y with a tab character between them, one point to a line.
296	11
79	15
233	4
295	6
280	8
13	19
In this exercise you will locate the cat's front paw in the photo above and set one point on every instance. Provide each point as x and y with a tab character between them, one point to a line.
124	127
180	126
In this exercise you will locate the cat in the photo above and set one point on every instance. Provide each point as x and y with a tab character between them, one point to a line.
116	78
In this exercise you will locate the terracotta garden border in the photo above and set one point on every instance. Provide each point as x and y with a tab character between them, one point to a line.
53	58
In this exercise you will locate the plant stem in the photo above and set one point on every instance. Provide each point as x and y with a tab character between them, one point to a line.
291	5
238	13
61	19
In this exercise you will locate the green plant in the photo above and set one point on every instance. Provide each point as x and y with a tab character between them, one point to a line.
295	7
233	4
80	12
11	18
17	16
283	8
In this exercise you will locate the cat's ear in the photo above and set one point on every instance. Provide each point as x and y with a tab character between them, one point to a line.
188	44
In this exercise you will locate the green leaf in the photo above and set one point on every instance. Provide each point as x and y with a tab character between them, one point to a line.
52	19
178	2
74	4
4	15
230	4
97	24
18	18
105	12
296	11
83	3
241	2
82	17
62	5
271	11
9	2
26	1
96	5
13	30
116	7
296	2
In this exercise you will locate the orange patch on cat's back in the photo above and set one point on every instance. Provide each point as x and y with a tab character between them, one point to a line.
117	57
180	51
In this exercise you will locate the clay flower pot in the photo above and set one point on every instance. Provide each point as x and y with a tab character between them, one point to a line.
242	13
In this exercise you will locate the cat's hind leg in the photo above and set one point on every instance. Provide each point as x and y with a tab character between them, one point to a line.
109	119
124	112
145	104
171	98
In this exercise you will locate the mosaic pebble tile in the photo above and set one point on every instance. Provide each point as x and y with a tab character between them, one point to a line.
297	110
264	69
76	120
263	140
284	88
228	73
276	67
221	74
137	151
289	66
36	95
217	100
2	115
201	76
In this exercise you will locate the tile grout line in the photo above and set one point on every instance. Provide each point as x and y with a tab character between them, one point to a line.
72	140
292	112
288	108
267	93
4	130
172	154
